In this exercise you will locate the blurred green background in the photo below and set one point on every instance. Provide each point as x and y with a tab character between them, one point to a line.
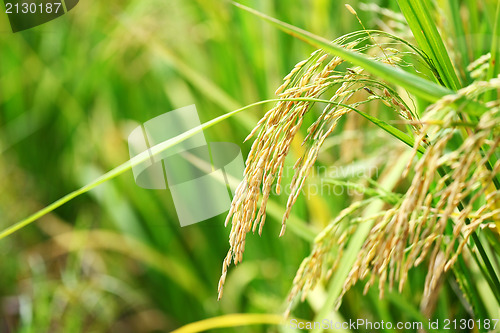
116	259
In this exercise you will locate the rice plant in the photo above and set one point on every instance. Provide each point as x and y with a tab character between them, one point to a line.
410	90
453	173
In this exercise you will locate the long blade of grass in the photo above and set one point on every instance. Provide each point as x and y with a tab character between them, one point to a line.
418	16
140	158
231	320
136	160
495	58
420	87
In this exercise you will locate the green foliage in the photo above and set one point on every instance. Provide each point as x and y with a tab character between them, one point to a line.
111	257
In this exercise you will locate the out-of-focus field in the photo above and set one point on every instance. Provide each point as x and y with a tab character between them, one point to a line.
116	259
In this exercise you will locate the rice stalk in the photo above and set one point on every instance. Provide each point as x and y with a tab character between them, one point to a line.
275	132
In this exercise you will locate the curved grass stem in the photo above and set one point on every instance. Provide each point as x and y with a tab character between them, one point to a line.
140	158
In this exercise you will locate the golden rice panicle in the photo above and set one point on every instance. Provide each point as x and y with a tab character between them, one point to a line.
314	266
415	231
412	231
274	135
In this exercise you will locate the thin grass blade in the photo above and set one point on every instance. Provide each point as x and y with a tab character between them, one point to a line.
423	88
419	18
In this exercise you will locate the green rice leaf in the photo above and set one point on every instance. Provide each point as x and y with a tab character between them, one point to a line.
415	84
418	16
421	87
